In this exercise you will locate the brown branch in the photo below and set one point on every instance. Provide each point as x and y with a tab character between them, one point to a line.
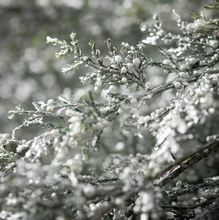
180	165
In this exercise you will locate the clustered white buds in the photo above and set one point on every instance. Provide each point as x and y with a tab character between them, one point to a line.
50	105
167	118
3	138
75	165
144	119
191	61
50	40
198	25
183	74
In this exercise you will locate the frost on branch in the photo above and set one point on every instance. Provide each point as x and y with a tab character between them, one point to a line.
129	148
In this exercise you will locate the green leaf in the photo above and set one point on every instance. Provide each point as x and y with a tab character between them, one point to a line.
212	7
73	66
93	48
36	106
196	15
11	116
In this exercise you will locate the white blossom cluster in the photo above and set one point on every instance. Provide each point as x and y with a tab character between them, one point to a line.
202	25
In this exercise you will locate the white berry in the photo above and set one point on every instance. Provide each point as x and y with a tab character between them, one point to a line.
134	101
50	102
192	60
118	59
112	88
124	79
183	74
119	201
177	85
136	62
167	62
49	108
214	43
89	191
120	111
98	83
69	112
129	65
183	67
123	70
148	85
85	58
149	96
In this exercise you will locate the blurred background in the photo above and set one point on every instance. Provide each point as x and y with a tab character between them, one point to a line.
29	70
